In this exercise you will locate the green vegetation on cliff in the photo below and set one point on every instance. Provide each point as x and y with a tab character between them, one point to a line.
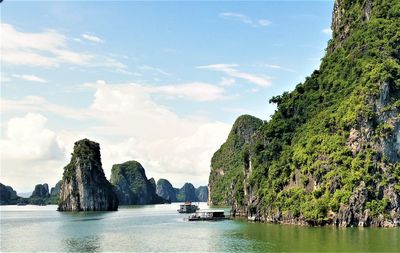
227	175
132	186
330	153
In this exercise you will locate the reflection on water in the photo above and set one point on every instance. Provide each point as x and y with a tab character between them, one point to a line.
161	228
83	244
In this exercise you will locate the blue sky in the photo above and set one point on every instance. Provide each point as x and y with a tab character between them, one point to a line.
159	82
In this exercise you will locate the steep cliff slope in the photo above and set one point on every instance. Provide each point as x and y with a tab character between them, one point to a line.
227	175
84	186
202	193
165	190
40	195
331	152
132	186
186	193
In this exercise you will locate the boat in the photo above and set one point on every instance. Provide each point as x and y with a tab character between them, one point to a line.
208	215
188	207
21	204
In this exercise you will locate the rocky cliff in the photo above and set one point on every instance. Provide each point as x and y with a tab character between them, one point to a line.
40	195
41	191
165	190
132	186
7	195
55	191
331	152
202	193
187	193
84	185
227	174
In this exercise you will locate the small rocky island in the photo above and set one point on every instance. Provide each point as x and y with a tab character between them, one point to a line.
84	185
132	186
7	195
187	193
40	195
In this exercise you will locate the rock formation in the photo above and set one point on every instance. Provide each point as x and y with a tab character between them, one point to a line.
187	193
40	195
7	195
132	186
84	185
41	191
227	174
330	154
202	193
55	191
165	190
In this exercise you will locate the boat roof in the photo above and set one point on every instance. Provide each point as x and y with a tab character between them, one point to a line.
187	204
210	211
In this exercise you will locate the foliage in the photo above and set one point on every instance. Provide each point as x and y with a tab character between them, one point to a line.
309	132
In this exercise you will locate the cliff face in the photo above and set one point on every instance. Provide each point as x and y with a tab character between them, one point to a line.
55	191
227	165
132	186
331	152
41	191
40	195
202	193
165	190
7	195
186	193
84	185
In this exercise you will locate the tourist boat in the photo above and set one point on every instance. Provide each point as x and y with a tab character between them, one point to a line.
188	207
208	215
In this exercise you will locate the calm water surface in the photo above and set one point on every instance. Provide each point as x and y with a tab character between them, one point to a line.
161	228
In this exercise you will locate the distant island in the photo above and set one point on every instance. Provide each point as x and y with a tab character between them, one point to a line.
85	188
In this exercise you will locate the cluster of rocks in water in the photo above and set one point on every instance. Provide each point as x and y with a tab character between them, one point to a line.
40	195
84	186
187	193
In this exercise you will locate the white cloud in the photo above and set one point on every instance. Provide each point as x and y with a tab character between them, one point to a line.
46	49
245	19
31	153
168	145
237	16
275	66
227	81
264	22
31	78
230	69
192	91
128	124
39	104
155	70
92	38
327	31
196	91
22	48
27	138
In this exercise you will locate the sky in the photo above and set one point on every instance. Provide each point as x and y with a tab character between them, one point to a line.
158	82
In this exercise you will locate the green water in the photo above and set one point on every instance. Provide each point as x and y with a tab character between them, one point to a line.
161	228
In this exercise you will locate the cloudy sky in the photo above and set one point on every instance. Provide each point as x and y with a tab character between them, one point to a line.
157	82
